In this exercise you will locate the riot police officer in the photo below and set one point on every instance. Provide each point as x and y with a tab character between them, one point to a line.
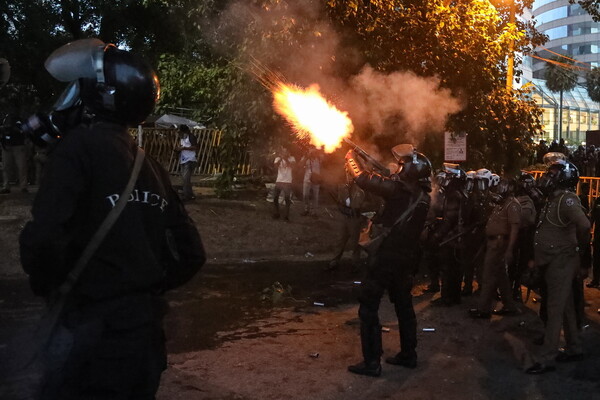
406	196
109	341
501	231
450	232
562	233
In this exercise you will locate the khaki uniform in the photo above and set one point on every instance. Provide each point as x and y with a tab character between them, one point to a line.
495	275
351	199
556	250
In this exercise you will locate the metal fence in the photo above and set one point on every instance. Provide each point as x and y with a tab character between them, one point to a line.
587	185
161	143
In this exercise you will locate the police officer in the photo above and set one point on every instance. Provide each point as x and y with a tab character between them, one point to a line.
502	230
452	225
351	200
475	216
563	230
406	196
524	246
109	342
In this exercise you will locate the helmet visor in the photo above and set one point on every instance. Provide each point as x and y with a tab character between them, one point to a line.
69	97
482	184
79	59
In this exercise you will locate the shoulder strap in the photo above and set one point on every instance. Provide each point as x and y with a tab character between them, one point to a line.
108	222
408	209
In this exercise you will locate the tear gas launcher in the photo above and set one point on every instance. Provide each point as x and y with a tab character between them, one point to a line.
368	158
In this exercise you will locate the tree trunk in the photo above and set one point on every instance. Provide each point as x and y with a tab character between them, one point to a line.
560	116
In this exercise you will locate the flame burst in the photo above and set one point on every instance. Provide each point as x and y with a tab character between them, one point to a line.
312	116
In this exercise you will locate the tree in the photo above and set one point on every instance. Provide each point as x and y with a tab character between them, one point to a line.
592	83
591	6
465	44
560	77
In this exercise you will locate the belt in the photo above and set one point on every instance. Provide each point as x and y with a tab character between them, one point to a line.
496	237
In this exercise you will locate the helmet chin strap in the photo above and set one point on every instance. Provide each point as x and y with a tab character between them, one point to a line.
107	92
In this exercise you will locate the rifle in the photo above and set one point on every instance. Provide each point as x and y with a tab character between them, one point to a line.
367	157
463	233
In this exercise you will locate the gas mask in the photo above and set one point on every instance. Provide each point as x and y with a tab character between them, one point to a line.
68	112
547	182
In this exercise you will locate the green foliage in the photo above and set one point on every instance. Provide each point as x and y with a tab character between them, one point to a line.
559	77
593	84
193	85
203	48
465	44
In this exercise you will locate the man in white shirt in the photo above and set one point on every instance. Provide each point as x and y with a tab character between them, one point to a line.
188	145
284	163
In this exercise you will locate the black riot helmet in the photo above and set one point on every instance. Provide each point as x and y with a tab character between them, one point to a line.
113	84
413	165
525	183
454	176
505	187
560	174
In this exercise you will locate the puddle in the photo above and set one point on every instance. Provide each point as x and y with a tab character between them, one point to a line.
200	319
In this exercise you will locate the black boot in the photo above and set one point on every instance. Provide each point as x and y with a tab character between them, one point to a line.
370	340
404	360
369	369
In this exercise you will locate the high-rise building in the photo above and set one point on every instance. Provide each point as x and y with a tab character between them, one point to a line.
572	33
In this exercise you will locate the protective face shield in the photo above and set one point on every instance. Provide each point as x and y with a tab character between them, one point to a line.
483	177
412	165
454	176
439	178
112	84
402	151
553	157
470	181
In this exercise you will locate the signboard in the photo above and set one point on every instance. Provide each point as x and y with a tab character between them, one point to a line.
455	146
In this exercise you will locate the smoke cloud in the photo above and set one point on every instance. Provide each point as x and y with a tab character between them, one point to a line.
418	104
296	40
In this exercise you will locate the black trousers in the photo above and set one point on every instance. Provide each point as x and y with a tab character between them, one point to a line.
110	350
596	258
451	273
394	273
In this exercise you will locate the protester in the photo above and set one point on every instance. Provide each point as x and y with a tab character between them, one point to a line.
311	182
109	341
14	154
188	146
284	163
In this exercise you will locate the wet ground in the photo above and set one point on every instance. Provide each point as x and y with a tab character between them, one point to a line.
227	297
235	333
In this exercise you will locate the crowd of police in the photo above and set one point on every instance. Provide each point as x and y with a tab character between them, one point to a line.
477	230
497	230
